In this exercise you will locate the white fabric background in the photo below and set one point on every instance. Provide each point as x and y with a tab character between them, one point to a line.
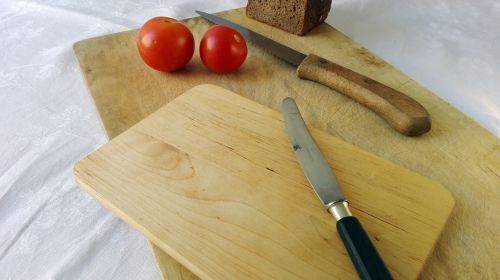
51	229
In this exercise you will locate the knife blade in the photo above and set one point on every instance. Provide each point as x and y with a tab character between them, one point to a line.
363	254
400	111
312	161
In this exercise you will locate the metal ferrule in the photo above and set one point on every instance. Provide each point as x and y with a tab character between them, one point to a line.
339	209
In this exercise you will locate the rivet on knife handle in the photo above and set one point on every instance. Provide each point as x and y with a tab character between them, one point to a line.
400	111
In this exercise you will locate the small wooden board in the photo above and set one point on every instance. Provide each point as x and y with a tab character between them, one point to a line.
211	179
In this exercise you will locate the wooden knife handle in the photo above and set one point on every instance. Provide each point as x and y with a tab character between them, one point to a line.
364	256
400	111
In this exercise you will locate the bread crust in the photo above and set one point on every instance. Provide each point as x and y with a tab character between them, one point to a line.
294	16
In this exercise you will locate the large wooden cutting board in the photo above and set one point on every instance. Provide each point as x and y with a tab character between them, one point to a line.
211	179
457	152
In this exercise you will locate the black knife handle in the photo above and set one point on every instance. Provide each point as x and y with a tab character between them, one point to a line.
363	254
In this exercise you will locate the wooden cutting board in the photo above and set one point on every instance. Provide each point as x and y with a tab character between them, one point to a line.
211	179
457	152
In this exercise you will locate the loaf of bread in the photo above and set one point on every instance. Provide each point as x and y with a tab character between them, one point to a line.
294	16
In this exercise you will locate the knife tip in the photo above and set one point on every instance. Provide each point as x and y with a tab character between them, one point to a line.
287	102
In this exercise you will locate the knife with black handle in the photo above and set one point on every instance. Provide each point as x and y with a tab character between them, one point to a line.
364	255
400	111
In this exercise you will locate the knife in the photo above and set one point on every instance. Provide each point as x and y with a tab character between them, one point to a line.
400	111
364	256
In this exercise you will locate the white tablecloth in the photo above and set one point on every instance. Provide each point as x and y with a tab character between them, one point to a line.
51	229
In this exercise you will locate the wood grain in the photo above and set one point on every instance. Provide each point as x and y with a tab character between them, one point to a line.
457	152
401	112
211	179
169	268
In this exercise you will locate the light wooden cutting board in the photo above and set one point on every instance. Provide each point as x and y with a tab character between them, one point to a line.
457	152
211	179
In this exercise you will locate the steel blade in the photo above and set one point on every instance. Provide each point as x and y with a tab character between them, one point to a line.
311	160
288	54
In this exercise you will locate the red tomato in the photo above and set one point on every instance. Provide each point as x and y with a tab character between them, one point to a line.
165	44
222	49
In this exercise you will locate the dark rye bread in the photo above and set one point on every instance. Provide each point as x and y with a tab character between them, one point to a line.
294	16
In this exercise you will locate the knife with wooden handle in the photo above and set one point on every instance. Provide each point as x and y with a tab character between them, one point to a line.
400	111
364	255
